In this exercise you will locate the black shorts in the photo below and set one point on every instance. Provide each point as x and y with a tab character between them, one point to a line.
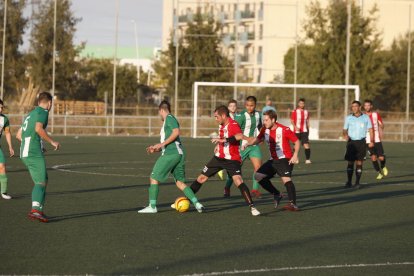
303	137
377	150
216	164
356	150
280	167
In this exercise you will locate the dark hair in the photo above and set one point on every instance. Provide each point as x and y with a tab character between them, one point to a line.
301	100
271	113
165	105
251	98
1	102
232	101
357	102
44	97
222	110
368	101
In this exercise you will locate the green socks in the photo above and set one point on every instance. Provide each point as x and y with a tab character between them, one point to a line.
255	183
38	196
153	194
3	181
190	195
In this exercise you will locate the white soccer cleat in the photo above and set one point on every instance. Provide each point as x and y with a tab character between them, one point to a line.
6	196
254	211
308	162
173	205
221	174
148	210
200	208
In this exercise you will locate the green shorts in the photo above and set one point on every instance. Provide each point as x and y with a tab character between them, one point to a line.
2	158
169	163
37	169
251	152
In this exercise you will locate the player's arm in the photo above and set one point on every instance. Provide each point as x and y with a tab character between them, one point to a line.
380	122
294	158
43	134
7	133
371	132
19	134
231	139
293	121
174	135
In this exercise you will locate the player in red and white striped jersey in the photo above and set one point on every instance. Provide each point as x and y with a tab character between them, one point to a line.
377	152
278	137
300	122
226	156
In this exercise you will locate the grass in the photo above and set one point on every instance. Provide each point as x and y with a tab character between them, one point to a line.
97	184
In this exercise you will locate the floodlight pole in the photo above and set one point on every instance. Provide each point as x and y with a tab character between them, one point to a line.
136	50
176	59
407	108
295	95
3	56
236	48
115	63
54	67
348	48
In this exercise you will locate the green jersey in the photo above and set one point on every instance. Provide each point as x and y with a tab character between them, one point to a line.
4	122
31	142
174	147
250	124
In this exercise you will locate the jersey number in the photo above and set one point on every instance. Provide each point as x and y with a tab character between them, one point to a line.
26	121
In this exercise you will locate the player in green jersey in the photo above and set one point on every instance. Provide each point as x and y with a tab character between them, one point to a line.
250	122
172	160
4	127
30	134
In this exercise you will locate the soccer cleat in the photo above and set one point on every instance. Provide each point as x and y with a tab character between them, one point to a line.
254	211
348	185
385	171
291	207
200	208
37	215
226	192
221	174
6	196
380	176
148	210
173	205
357	186
277	199
256	194
308	162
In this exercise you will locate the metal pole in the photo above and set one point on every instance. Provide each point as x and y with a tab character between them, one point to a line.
176	59
54	66
236	48
3	56
137	51
348	49
407	108
296	56
115	63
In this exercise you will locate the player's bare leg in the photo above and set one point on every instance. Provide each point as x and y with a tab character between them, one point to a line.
244	190
256	162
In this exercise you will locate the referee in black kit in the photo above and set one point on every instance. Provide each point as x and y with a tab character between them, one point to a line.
355	131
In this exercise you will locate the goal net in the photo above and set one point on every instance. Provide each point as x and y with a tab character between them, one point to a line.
327	104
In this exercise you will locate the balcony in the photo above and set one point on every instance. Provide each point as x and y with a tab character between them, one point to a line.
247	15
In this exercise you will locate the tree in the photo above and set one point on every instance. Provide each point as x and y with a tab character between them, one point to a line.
322	54
200	57
66	52
14	65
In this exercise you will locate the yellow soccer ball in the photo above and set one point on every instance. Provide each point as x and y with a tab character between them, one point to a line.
182	204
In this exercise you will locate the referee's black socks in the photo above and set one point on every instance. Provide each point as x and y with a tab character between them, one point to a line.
350	172
267	185
358	173
195	186
244	190
291	190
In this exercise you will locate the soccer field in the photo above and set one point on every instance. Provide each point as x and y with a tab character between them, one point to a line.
97	184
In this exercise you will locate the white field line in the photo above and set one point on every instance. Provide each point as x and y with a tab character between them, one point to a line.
264	270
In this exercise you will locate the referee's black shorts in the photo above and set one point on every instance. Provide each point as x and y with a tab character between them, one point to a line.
356	150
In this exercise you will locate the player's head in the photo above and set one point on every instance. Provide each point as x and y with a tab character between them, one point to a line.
356	107
250	104
301	103
1	106
232	105
269	102
164	109
269	118
44	99
221	114
368	105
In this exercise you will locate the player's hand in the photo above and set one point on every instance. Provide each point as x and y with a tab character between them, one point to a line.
371	145
293	160
11	150
150	149
217	140
244	145
157	147
55	144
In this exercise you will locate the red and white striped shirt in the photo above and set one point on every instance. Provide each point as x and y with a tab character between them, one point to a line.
278	141
300	118
229	151
375	120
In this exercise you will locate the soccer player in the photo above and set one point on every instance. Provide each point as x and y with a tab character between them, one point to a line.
377	152
250	121
278	138
300	122
227	156
355	130
172	160
30	134
4	127
268	106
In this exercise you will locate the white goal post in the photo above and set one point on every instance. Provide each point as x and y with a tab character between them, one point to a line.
197	85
